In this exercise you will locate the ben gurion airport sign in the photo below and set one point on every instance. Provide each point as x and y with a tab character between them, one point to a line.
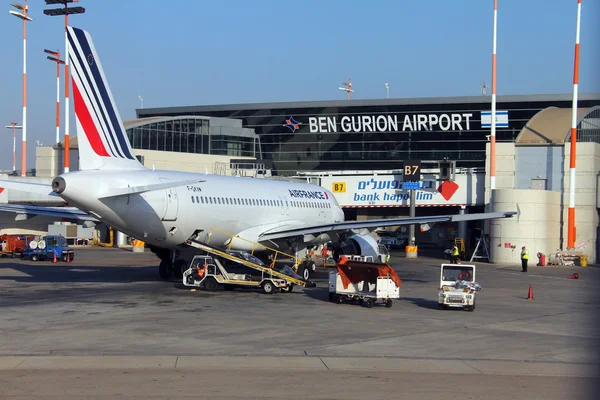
405	123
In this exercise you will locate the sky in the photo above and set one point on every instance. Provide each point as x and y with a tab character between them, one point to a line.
197	52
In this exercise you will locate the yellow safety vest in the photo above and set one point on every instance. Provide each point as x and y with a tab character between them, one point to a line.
525	255
455	251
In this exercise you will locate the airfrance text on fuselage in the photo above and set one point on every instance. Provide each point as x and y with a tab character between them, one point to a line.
391	123
307	194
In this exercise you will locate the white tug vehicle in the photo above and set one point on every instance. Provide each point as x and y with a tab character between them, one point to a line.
457	287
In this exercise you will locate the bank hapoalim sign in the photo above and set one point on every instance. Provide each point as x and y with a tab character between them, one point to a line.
391	191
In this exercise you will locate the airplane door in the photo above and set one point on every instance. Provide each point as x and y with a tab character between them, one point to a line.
285	206
172	203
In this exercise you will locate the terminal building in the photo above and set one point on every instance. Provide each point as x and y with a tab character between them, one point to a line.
357	149
360	146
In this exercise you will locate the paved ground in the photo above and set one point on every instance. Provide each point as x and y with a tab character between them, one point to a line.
109	303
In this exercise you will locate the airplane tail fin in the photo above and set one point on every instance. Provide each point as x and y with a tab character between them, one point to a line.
101	136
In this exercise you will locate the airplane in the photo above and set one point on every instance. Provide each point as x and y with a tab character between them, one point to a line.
166	208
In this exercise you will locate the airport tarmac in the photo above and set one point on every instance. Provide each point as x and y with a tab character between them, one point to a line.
105	325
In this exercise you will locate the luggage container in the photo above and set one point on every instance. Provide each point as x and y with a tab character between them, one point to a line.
367	282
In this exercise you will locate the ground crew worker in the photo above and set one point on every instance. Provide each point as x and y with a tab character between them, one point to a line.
454	256
464	276
524	258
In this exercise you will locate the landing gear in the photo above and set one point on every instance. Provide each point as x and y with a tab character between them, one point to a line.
171	264
304	272
179	268
165	270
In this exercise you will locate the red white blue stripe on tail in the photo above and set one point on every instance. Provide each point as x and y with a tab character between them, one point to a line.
97	115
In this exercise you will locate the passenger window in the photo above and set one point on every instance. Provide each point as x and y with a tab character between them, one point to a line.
197	199
202	199
193	199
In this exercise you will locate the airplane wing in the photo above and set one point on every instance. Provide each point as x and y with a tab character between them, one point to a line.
378	223
58	212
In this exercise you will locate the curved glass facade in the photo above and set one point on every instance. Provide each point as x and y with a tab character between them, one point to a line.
192	135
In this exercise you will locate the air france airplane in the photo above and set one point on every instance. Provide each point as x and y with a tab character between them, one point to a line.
166	208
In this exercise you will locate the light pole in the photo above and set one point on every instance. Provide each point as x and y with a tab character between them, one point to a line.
571	232
58	61
23	15
66	11
387	90
13	125
493	129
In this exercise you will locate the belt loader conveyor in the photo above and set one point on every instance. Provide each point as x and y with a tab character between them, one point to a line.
270	279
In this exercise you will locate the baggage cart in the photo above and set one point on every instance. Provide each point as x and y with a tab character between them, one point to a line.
368	283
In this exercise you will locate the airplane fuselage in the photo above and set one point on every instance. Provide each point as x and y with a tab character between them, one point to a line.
166	218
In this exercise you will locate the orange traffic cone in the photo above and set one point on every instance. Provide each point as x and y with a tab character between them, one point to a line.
68	258
530	294
54	260
574	276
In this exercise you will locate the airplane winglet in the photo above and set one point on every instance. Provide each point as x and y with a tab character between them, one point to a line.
125	191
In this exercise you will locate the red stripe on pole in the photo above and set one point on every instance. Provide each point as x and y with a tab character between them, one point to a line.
571	228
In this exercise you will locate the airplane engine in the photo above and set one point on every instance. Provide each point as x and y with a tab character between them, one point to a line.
364	245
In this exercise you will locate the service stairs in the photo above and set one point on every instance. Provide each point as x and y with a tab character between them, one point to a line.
267	270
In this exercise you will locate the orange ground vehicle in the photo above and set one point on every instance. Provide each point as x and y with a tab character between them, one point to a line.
11	245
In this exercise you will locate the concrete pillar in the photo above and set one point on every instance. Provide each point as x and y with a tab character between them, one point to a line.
537	226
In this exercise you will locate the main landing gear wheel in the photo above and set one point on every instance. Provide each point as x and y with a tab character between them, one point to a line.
164	270
305	273
268	287
179	268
